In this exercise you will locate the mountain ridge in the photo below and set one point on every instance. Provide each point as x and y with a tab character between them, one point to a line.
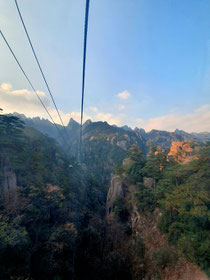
72	122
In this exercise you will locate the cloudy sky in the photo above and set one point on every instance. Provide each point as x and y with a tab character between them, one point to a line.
148	61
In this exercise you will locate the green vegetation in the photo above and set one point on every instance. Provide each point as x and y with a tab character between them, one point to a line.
155	164
134	169
146	200
120	210
139	247
182	194
36	224
186	208
163	257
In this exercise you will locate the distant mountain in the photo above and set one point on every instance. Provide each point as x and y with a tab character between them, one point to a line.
105	146
127	128
43	125
203	136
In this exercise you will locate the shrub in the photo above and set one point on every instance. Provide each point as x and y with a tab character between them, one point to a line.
145	199
128	229
134	173
166	220
119	170
163	257
121	211
140	248
175	232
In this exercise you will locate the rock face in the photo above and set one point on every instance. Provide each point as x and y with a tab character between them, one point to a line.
10	180
8	188
127	161
182	152
116	190
122	144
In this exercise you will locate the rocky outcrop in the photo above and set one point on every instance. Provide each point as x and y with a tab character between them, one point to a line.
149	182
116	190
10	180
122	144
8	188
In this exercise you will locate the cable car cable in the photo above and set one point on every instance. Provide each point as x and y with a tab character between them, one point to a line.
40	68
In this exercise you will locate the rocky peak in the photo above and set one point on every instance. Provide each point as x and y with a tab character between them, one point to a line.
139	130
126	128
87	123
72	122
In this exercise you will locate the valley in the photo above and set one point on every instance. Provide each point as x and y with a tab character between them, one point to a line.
136	207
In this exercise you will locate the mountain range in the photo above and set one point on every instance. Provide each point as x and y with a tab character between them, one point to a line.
105	146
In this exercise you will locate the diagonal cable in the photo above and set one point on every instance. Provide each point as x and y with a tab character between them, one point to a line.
40	68
27	78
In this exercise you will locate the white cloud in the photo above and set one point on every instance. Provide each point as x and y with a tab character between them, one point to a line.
110	118
6	86
66	117
26	102
93	109
97	115
21	100
197	121
124	95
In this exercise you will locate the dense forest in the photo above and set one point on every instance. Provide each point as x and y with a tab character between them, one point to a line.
54	221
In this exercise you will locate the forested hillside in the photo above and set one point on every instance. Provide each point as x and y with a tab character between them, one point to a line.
57	222
45	207
164	206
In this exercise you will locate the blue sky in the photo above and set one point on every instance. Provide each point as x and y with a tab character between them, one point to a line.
157	53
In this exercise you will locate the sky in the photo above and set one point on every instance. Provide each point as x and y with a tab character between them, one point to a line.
148	61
